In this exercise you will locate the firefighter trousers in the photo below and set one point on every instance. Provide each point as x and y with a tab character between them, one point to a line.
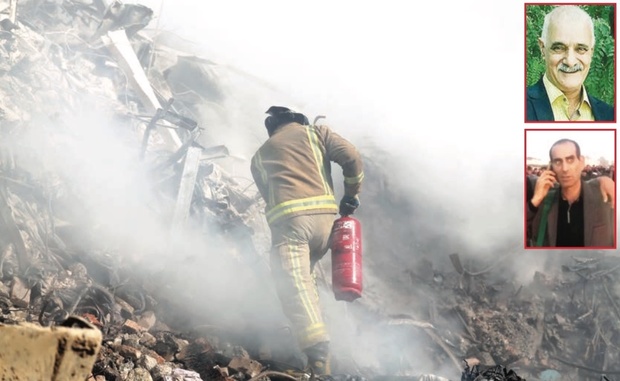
297	244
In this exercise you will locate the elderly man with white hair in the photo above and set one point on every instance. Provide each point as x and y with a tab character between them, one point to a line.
567	46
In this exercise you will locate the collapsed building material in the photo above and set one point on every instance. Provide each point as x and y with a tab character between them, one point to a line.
129	17
194	81
186	188
120	46
66	352
15	240
13	11
8	12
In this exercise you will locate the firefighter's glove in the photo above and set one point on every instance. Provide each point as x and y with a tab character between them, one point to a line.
348	204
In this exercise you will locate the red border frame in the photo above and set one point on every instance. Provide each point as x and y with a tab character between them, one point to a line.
615	229
525	62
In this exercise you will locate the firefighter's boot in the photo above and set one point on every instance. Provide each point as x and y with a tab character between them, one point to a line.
318	358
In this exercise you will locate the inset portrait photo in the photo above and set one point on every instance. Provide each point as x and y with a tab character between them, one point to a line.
570	63
570	188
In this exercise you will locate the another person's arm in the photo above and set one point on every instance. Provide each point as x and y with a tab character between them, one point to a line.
607	187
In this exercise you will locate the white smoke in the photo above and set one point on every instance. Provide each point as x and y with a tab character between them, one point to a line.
437	87
421	82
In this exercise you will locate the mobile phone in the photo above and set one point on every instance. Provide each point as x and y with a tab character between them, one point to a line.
555	182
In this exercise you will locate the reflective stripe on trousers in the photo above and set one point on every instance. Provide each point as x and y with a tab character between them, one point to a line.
297	243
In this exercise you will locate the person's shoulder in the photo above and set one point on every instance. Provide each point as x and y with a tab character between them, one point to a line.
592	191
261	149
536	90
255	156
603	110
592	182
600	102
322	129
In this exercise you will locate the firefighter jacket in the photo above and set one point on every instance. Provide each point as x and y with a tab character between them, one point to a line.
292	170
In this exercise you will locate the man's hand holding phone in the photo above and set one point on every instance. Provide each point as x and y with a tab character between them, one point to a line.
546	181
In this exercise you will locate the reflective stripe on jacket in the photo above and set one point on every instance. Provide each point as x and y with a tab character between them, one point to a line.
292	170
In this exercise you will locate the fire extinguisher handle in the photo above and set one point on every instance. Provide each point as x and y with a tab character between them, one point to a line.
348	205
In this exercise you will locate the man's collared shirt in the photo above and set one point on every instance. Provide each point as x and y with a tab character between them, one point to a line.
559	104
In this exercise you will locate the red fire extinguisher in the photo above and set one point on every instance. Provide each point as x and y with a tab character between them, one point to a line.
346	251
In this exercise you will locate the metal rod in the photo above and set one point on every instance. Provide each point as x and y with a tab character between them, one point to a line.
13	10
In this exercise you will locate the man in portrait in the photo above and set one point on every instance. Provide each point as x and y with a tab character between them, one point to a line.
567	44
563	209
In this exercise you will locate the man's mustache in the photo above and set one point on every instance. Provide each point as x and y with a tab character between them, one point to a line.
570	69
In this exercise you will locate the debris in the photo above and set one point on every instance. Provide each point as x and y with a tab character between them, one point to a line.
31	352
186	189
550	375
185	375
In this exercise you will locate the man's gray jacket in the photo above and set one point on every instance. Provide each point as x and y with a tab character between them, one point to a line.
599	217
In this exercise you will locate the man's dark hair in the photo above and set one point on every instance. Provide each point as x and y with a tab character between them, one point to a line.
562	141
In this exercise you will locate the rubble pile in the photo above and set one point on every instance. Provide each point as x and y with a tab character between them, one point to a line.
59	60
62	60
566	321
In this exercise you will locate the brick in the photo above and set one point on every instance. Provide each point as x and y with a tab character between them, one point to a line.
131	326
130	352
147	320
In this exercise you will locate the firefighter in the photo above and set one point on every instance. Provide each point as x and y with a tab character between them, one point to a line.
292	172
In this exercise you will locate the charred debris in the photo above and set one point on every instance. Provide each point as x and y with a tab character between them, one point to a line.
59	58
